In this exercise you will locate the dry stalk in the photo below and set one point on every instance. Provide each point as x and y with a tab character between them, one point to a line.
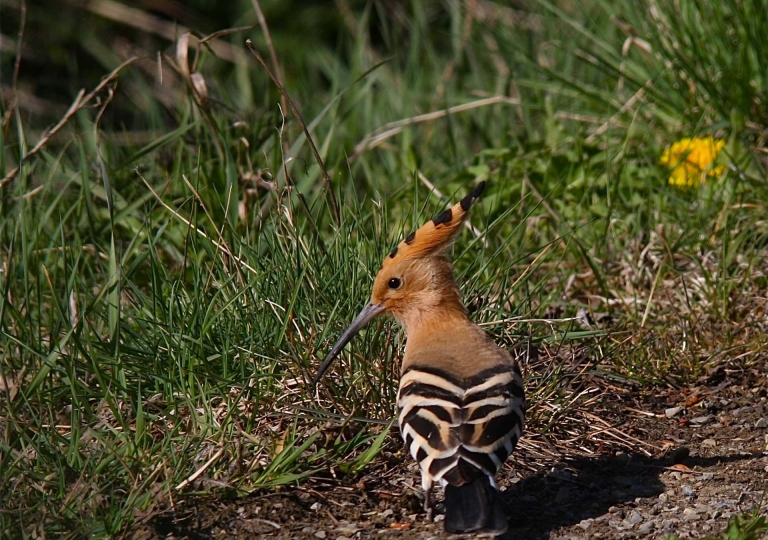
136	18
80	102
184	220
11	105
326	176
379	135
270	47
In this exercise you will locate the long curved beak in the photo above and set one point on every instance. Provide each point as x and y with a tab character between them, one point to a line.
364	317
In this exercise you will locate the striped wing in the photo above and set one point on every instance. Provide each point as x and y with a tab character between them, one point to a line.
457	428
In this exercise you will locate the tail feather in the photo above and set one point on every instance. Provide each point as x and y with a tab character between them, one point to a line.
474	507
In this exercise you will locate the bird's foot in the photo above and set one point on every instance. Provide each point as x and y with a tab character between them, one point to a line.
430	514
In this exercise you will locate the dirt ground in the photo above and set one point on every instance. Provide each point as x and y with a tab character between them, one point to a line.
704	458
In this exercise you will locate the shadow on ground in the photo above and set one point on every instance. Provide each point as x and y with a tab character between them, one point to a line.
587	488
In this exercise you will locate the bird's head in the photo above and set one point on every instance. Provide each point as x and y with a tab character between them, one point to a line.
416	278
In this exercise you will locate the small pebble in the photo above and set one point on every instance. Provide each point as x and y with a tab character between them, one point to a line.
646	527
672	411
635	517
742	410
688	492
616	524
709	442
386	513
701	420
762	423
585	523
320	534
439	518
669	525
307	530
316	506
615	510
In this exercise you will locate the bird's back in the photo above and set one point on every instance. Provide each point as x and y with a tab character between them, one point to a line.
461	412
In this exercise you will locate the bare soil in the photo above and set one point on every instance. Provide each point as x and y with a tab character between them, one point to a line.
702	456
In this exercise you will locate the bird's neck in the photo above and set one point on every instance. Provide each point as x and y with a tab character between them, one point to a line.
442	317
447	341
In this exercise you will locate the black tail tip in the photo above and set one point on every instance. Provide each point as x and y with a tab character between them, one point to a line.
475	507
467	201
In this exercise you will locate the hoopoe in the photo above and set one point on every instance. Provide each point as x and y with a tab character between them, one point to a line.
460	400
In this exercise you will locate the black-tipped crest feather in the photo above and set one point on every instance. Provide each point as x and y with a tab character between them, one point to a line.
469	200
436	235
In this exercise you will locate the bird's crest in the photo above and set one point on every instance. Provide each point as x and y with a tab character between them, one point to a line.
436	235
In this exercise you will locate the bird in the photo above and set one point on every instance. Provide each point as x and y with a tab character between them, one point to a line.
460	402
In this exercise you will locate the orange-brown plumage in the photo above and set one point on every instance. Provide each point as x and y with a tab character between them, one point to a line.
460	399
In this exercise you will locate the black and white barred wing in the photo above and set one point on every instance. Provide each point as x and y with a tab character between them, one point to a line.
457	428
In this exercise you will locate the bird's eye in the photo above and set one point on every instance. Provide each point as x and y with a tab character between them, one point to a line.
394	283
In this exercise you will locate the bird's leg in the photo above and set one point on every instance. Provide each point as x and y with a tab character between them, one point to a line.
428	508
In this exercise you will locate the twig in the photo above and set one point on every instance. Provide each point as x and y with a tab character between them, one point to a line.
270	47
532	265
102	164
263	211
267	522
524	320
192	477
527	182
326	176
391	129
283	107
170	30
628	105
184	220
219	232
11	105
465	33
650	295
80	101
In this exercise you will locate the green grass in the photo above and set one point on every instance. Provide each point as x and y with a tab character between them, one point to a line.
163	311
745	527
750	526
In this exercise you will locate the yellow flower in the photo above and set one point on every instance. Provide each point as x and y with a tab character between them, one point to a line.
691	159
